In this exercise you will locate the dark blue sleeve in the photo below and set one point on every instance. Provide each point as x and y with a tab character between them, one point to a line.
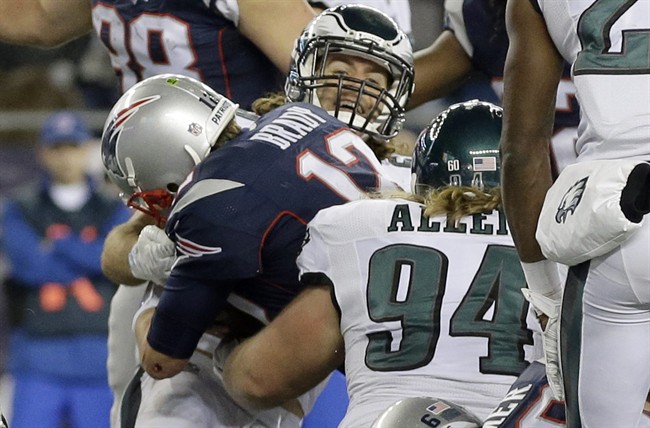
186	309
217	237
33	260
214	253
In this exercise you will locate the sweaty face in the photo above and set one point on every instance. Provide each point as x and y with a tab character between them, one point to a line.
355	68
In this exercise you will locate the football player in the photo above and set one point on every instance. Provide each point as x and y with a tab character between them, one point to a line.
604	312
149	177
373	81
416	295
228	44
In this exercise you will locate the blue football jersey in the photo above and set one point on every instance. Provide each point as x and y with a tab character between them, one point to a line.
240	218
190	37
529	403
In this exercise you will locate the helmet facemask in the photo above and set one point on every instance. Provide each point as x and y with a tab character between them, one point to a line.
154	203
378	40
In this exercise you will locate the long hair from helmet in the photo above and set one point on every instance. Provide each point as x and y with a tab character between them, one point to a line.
456	164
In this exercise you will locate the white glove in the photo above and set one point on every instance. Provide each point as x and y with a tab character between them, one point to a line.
549	306
153	256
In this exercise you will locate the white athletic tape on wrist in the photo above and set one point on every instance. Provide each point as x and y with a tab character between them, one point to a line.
543	277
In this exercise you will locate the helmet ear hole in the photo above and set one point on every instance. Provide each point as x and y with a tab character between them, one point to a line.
477	181
172	187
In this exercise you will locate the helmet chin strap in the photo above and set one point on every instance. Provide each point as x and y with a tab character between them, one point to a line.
152	203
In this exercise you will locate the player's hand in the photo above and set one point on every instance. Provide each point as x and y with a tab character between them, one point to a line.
159	365
548	311
153	256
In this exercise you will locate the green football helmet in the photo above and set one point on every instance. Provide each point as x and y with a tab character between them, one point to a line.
460	147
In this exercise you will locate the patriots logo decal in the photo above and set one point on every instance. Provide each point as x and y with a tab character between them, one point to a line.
571	200
111	136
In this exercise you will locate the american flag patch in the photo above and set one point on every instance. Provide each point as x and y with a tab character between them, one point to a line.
485	163
438	407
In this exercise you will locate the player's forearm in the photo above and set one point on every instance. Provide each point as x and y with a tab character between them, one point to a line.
141	327
290	356
532	72
251	388
243	385
439	69
44	23
118	244
187	308
255	17
524	183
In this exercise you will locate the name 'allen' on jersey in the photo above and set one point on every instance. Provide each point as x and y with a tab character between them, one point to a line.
476	224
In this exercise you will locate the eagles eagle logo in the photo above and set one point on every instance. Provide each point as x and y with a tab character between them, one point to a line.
571	200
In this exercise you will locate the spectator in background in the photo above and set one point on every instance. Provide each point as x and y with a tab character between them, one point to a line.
52	238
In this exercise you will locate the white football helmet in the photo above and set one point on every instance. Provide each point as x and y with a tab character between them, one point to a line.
156	133
426	412
360	31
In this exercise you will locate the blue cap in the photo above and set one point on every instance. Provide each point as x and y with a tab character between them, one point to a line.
64	127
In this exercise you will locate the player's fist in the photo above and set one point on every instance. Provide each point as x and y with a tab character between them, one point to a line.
153	256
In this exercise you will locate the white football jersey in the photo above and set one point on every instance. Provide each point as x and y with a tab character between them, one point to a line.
427	309
611	73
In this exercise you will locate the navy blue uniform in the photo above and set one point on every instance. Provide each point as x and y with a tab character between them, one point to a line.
529	403
239	221
149	37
